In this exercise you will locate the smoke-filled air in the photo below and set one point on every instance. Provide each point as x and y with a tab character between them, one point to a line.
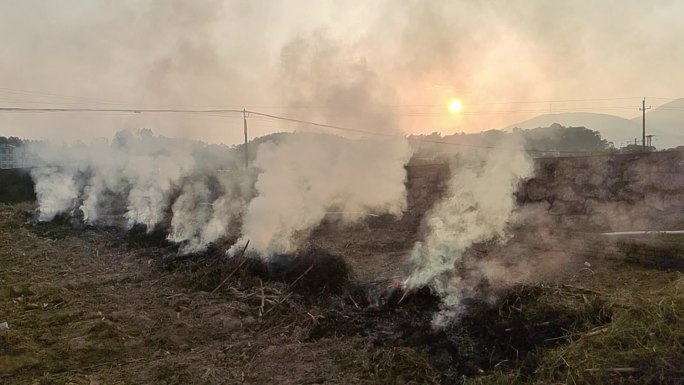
476	208
341	192
306	176
199	192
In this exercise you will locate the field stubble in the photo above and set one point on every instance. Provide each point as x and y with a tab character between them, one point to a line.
91	306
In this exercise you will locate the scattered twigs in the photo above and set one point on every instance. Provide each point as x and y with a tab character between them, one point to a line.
406	292
593	332
301	276
354	302
242	252
98	365
615	370
279	301
313	317
596	331
156	281
581	289
263	298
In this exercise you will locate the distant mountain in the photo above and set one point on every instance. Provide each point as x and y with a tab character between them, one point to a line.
612	128
665	122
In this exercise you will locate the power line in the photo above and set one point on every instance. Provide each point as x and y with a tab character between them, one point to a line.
131	110
323	125
214	112
410	139
75	104
507	112
75	101
234	110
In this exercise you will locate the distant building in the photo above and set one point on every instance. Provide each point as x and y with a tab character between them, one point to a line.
12	156
7	155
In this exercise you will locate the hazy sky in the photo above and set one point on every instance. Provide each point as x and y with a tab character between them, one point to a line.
377	65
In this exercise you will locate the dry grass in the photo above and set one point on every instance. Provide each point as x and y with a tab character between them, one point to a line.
643	343
624	323
663	253
640	342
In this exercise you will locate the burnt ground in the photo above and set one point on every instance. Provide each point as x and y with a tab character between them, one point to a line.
93	306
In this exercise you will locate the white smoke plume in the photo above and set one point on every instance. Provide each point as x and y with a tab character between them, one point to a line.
477	208
205	210
56	191
306	175
295	179
138	177
190	211
200	195
309	174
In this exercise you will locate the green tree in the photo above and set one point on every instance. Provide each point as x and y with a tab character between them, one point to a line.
13	140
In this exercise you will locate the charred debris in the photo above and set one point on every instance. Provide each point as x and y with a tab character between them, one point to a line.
317	289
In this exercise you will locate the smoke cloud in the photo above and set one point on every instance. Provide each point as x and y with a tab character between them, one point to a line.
382	67
230	53
200	195
294	180
308	175
140	177
477	209
209	209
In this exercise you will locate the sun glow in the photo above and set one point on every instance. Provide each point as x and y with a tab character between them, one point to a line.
455	106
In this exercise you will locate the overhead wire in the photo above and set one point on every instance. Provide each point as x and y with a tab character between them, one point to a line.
410	138
79	100
218	112
131	110
225	113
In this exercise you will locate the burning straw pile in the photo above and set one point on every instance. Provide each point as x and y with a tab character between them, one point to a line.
541	333
534	334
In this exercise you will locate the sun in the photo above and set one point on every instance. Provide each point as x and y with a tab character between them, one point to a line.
455	105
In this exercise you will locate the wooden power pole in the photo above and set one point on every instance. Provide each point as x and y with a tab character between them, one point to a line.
643	123
244	119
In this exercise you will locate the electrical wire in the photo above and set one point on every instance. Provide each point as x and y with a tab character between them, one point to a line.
217	112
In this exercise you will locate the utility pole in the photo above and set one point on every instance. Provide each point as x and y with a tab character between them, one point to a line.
643	123
244	119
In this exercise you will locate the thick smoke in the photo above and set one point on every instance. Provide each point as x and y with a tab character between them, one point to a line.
308	174
225	53
56	191
207	209
476	209
139	178
292	182
200	195
354	96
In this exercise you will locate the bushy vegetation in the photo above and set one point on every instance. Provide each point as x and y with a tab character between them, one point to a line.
12	140
542	140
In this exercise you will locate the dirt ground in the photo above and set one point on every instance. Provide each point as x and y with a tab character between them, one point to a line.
89	306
